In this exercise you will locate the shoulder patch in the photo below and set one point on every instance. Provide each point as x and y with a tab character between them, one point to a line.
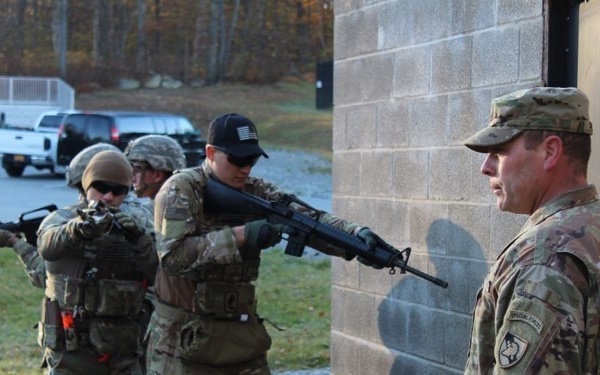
511	350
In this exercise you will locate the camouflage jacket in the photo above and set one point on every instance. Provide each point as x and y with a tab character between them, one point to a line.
538	311
189	238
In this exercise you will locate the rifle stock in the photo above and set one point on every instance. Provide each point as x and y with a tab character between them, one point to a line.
219	197
29	222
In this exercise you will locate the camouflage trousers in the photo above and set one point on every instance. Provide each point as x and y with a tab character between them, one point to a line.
162	356
85	361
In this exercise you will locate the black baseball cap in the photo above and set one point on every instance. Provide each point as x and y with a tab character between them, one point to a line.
234	134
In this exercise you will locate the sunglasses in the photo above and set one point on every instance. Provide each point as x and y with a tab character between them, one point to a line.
241	162
105	188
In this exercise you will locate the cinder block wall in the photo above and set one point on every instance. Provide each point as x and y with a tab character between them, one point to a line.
412	80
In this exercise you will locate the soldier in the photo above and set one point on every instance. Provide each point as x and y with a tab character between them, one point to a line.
153	158
98	260
205	320
539	309
28	255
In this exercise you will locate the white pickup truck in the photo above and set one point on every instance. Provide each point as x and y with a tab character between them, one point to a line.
36	147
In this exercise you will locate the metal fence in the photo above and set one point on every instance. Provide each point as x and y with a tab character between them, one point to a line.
36	91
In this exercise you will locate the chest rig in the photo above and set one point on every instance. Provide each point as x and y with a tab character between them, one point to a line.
102	280
223	291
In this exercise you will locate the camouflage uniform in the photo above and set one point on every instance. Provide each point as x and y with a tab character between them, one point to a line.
538	310
98	285
200	266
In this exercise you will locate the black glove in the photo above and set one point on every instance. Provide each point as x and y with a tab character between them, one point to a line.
259	234
132	229
88	228
370	239
5	237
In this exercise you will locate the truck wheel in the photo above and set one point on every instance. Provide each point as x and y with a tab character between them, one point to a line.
14	170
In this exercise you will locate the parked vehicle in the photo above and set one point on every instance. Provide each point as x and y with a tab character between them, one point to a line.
35	146
81	130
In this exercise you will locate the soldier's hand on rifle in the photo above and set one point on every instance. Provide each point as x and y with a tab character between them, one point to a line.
370	239
89	227
6	237
131	227
258	235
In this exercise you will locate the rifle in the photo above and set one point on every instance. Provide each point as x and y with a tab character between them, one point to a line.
219	197
29	225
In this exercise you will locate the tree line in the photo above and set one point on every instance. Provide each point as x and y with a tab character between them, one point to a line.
98	41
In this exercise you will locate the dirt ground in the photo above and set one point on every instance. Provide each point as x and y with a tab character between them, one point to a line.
199	104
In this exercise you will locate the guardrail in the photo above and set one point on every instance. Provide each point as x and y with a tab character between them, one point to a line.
44	91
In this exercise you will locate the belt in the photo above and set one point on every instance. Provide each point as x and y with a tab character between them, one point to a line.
166	311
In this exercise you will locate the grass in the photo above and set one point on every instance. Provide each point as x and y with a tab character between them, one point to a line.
293	293
19	312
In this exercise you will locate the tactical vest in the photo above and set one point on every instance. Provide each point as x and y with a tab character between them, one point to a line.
224	291
102	280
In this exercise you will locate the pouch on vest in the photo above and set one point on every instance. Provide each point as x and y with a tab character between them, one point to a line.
73	290
223	342
50	330
112	336
114	297
225	300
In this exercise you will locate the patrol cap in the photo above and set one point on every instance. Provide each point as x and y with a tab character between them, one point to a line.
77	165
108	166
234	134
162	152
538	108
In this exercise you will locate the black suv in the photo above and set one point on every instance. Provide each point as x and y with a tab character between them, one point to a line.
80	130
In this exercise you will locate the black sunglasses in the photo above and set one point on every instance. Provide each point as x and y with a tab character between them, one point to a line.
104	188
241	162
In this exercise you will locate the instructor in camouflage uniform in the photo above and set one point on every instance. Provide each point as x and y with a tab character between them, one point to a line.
538	311
98	259
206	320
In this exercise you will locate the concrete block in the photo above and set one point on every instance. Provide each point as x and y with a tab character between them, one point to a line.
532	49
411	174
361	125
451	65
393	123
356	34
350	89
429	126
412	67
376	174
495	57
443	169
433	19
395	30
471	15
510	11
468	112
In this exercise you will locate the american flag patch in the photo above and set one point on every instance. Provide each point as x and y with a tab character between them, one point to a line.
244	133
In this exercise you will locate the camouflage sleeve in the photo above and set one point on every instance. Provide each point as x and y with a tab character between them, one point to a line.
56	235
178	220
35	267
542	329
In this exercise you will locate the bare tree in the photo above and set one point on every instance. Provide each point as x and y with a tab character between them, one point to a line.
141	37
59	28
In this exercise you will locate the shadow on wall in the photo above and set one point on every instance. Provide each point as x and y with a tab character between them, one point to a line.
426	326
